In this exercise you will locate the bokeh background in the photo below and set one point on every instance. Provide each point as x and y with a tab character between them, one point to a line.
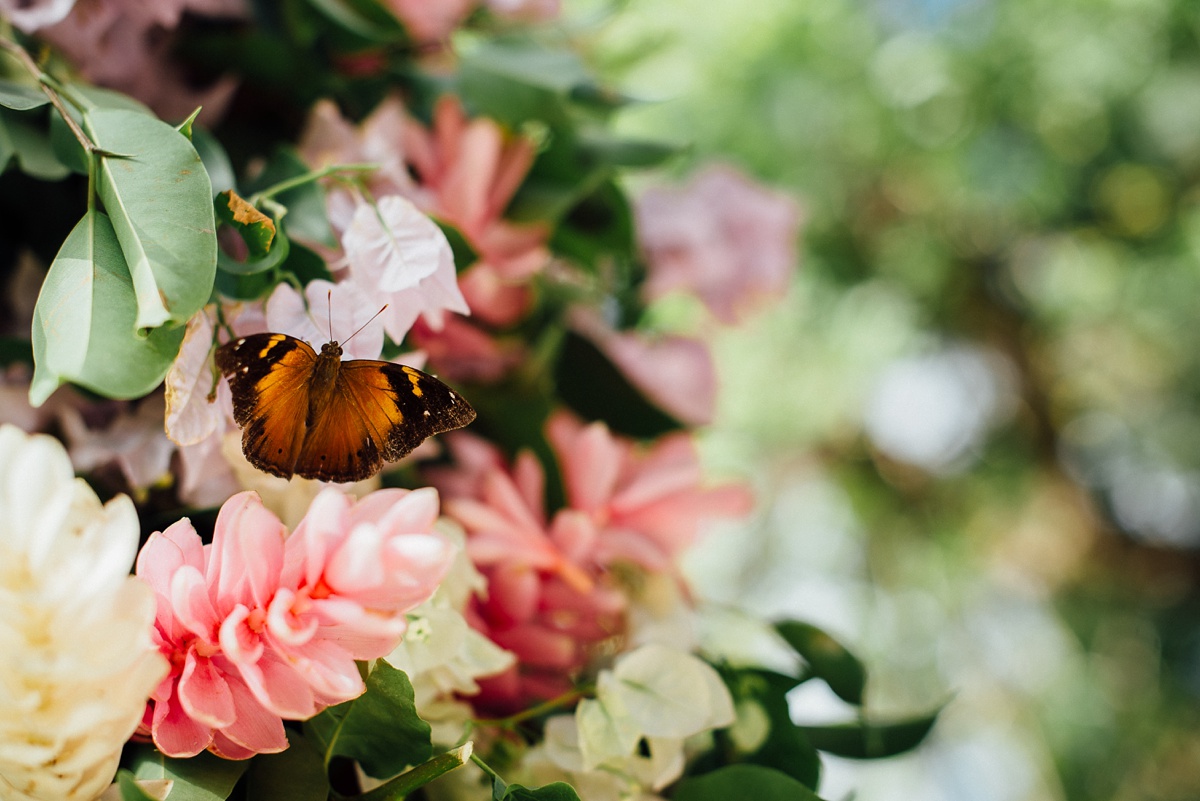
974	421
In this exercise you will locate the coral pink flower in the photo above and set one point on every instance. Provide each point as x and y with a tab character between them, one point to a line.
462	352
542	604
260	626
648	505
431	20
722	237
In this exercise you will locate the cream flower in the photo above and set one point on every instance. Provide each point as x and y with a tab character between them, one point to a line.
76	658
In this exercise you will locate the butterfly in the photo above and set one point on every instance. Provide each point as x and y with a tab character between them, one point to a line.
313	415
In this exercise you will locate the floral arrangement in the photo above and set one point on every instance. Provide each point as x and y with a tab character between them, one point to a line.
500	614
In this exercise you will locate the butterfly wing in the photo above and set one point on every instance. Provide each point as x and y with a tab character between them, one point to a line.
378	412
269	376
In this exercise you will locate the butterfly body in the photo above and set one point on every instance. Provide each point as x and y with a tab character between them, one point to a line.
316	416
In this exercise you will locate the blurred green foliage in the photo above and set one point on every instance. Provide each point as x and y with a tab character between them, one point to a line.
1020	178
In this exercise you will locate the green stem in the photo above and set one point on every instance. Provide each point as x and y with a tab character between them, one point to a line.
564	700
306	178
48	86
485	768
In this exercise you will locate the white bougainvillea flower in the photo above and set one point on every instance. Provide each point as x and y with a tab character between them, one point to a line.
77	662
327	308
398	255
190	416
29	16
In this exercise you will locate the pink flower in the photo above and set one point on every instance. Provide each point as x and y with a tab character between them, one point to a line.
723	238
462	352
469	171
526	10
647	504
261	626
676	373
329	138
127	44
431	20
542	603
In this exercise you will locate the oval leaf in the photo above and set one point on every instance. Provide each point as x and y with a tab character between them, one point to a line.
20	97
296	774
829	660
380	728
256	229
744	781
870	740
203	777
160	201
83	323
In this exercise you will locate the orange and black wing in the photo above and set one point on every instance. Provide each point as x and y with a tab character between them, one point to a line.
269	377
379	412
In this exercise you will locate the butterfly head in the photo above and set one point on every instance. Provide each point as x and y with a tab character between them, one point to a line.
332	348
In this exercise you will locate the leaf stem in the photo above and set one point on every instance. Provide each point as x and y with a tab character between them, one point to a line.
564	700
308	177
46	82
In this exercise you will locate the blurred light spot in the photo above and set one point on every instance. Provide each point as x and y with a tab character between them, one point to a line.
1156	502
910	69
1170	107
1134	197
933	411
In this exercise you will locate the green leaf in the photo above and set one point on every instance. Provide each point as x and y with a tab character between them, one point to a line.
84	321
743	781
408	782
185	127
871	740
371	23
256	229
203	777
557	791
297	774
828	659
160	202
305	264
380	728
130	791
216	161
31	145
626	152
595	388
784	747
66	147
7	149
20	97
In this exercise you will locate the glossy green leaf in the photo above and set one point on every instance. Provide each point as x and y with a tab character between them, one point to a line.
627	152
186	126
380	729
828	659
21	97
203	777
871	740
160	202
297	774
743	781
84	321
66	147
399	787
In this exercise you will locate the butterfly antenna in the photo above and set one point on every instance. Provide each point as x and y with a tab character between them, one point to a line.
329	299
364	325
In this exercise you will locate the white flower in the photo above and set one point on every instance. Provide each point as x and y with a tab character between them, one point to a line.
77	662
399	255
441	654
657	694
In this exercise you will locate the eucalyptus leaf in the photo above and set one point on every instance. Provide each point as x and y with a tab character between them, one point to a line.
160	201
83	323
743	781
380	728
203	777
829	660
20	97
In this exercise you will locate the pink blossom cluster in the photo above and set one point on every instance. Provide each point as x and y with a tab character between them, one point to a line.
261	625
553	593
